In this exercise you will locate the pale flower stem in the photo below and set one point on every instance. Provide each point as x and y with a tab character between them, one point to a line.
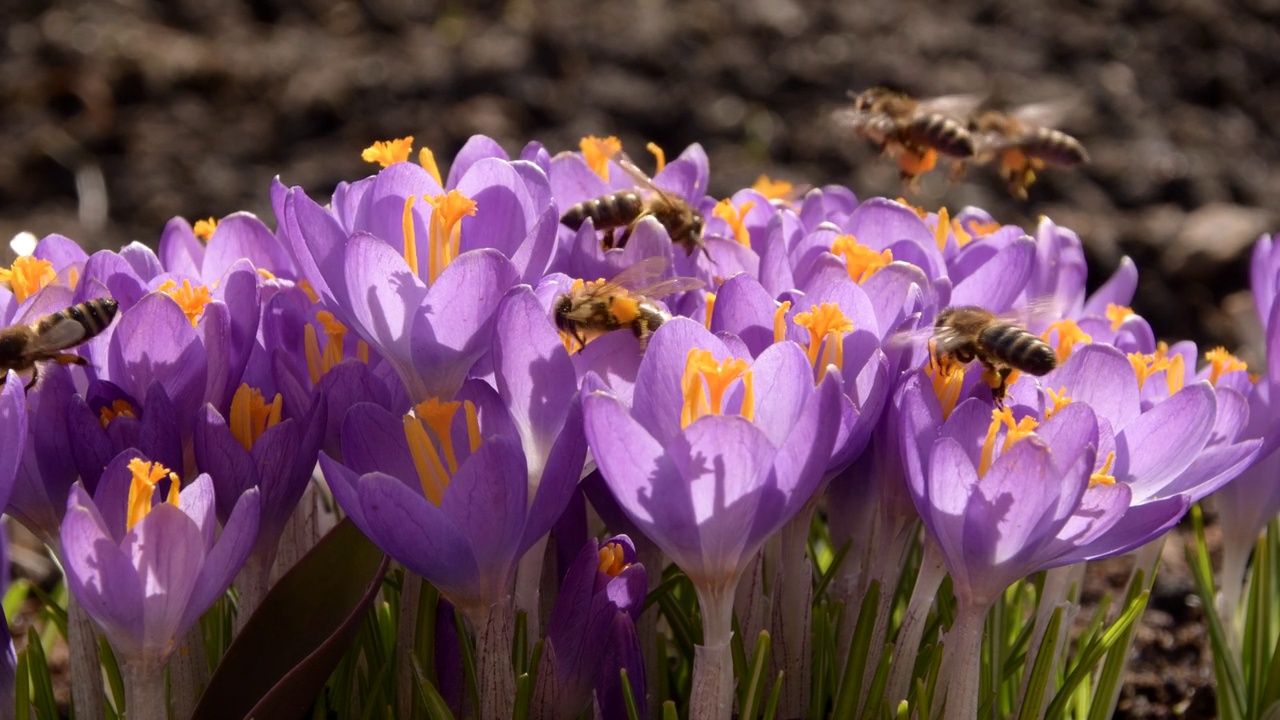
253	583
1057	582
893	541
961	672
712	694
528	585
86	672
301	532
406	632
1235	562
933	570
144	691
493	627
792	608
188	673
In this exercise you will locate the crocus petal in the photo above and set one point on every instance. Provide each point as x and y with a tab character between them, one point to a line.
13	433
180	250
226	557
1153	449
242	235
477	149
155	342
504	211
1213	468
220	455
1102	377
487	500
373	439
746	309
783	380
658	407
998	282
168	552
1117	290
1140	525
101	576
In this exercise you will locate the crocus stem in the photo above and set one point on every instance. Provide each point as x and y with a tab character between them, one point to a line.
961	670
792	615
494	628
144	691
528	584
188	673
932	571
712	695
1235	559
253	582
406	633
86	673
893	537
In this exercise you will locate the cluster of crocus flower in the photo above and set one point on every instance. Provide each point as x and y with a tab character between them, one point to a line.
399	335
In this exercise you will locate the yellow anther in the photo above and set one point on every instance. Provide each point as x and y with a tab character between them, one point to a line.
388	152
204	228
1175	374
711	308
142	488
432	425
1013	433
659	156
118	408
410	236
1059	400
1104	476
611	560
265	274
1144	366
706	381
446	229
427	160
26	276
191	299
941	228
1117	314
772	189
321	360
1069	333
251	414
1222	362
780	320
947	380
310	292
598	152
861	261
735	217
919	211
827	323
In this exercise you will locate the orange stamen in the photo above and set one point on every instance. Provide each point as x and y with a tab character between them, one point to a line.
388	152
1104	476
141	489
735	217
611	560
427	160
861	261
204	228
1117	314
1222	362
772	189
827	323
598	152
446	230
118	408
780	320
706	382
192	299
26	276
659	156
251	414
1069	333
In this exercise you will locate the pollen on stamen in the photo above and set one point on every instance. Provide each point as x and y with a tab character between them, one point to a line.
659	156
310	292
735	217
427	160
119	408
146	475
1069	333
1117	314
780	320
772	189
711	308
26	276
1144	366
919	211
1103	476
437	416
1222	362
388	152
192	299
251	415
612	561
1059	400
827	326
947	379
706	382
204	229
445	235
597	152
1014	431
942	228
861	261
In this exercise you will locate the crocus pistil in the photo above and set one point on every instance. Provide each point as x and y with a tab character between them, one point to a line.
322	360
1222	362
1117	314
780	321
27	276
597	152
388	152
434	418
191	299
735	217
204	229
1144	366
251	414
1014	431
861	261
118	408
827	326
1059	399
1103	476
445	230
706	381
947	380
143	486
1069	333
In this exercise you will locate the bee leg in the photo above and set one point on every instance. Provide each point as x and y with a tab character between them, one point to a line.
626	234
35	375
582	341
606	241
69	359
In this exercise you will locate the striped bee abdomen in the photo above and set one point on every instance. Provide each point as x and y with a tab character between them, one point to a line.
1018	348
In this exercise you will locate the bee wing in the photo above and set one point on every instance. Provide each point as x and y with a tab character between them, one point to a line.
646	278
64	334
959	106
670	287
911	338
639	176
1049	114
1036	313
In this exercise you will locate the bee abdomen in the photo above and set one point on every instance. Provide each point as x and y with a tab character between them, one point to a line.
606	211
946	135
1056	147
1019	348
92	315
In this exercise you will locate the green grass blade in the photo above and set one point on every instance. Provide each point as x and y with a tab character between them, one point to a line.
628	697
1231	686
429	696
1041	674
752	696
41	680
859	652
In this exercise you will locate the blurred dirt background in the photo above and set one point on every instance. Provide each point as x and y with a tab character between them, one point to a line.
116	116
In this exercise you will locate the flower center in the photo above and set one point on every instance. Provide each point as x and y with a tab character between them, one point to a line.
191	299
780	320
827	326
611	560
598	152
735	216
1013	433
1117	314
1059	400
711	307
706	381
444	234
861	261
118	408
659	156
947	379
388	152
27	276
204	228
251	414
942	228
973	229
772	189
1144	366
1104	476
146	475
1069	333
433	418
321	361
1222	362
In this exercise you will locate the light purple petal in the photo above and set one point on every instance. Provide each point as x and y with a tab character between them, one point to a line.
744	308
180	250
783	381
660	396
101	576
1102	377
168	552
226	557
1152	450
504	211
476	149
1117	290
242	235
999	282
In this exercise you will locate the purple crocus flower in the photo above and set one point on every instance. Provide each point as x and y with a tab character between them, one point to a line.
141	556
594	620
706	484
13	434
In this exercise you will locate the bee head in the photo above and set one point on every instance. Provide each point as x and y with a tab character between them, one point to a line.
564	306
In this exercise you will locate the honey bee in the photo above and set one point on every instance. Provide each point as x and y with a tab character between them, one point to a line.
914	131
22	346
626	208
1021	142
967	333
626	301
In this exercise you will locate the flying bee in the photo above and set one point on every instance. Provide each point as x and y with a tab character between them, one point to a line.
626	301
913	131
1022	142
626	208
962	334
22	346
